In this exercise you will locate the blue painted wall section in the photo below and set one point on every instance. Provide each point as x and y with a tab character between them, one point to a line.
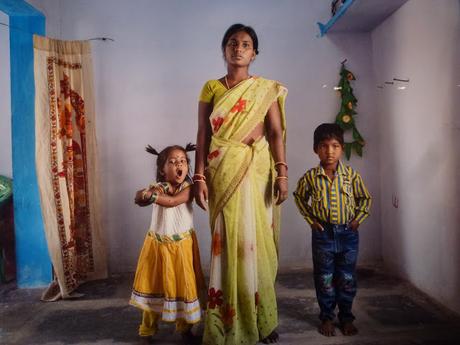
32	259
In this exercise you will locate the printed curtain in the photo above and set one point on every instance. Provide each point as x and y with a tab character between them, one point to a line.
66	163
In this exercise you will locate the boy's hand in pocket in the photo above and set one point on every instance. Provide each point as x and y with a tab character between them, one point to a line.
317	226
354	225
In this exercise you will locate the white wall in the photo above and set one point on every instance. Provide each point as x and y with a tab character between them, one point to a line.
147	84
420	143
5	104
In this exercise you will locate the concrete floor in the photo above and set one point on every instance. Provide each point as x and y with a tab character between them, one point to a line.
388	310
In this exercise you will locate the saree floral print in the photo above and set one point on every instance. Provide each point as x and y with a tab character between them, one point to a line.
244	221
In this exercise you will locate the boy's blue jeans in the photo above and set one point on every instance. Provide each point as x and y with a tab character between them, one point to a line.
335	252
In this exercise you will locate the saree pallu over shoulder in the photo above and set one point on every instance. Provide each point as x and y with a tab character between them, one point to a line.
241	108
234	116
244	223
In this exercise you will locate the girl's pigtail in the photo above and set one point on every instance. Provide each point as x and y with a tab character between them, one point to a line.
190	147
151	150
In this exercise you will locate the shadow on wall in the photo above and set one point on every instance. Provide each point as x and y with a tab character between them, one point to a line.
419	149
394	240
454	143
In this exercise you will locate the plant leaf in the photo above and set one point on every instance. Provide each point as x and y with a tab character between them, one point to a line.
358	148
348	151
356	135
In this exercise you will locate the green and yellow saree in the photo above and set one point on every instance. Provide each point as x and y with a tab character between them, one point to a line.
244	221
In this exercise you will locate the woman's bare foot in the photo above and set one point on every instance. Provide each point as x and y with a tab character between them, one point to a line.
271	338
327	328
348	328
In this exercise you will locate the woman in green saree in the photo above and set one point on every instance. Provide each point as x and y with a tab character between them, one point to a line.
241	166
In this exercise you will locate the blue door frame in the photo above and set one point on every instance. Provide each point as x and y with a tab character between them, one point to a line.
33	263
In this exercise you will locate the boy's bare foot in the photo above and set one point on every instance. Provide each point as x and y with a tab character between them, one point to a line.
348	328
273	337
327	328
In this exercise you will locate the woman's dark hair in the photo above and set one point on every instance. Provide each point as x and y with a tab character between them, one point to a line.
327	131
163	156
237	28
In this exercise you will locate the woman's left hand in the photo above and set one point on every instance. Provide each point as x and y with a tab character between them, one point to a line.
281	190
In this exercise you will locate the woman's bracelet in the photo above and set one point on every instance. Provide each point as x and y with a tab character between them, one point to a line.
281	163
200	180
281	178
202	177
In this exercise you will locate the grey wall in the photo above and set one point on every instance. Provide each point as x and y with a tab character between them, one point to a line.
420	143
147	84
5	104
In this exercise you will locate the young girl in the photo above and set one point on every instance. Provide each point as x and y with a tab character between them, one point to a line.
241	166
168	276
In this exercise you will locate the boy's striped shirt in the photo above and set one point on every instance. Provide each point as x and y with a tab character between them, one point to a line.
338	202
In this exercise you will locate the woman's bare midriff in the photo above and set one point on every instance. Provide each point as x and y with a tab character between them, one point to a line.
255	134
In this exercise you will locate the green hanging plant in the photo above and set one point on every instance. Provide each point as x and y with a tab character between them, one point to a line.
346	116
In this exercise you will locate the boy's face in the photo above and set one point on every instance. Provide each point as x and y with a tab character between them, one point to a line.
329	151
176	167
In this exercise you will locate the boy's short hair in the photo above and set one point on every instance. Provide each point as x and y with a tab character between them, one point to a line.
327	131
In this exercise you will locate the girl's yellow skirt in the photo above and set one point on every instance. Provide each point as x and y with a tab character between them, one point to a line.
169	276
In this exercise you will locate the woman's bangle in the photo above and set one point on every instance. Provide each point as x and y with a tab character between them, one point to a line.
200	180
281	178
199	175
281	163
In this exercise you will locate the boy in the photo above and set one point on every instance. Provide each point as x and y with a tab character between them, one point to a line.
339	204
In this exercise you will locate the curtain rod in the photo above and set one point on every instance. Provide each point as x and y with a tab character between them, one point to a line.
89	39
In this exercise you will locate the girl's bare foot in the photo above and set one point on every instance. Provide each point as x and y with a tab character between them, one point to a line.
271	338
348	328
327	328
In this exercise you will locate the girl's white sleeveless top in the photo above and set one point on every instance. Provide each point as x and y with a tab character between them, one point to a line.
171	220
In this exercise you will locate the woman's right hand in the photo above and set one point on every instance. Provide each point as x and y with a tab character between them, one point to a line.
200	190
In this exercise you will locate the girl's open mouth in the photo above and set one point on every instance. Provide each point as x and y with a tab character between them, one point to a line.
179	173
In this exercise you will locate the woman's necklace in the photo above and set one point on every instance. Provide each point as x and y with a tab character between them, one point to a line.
226	81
